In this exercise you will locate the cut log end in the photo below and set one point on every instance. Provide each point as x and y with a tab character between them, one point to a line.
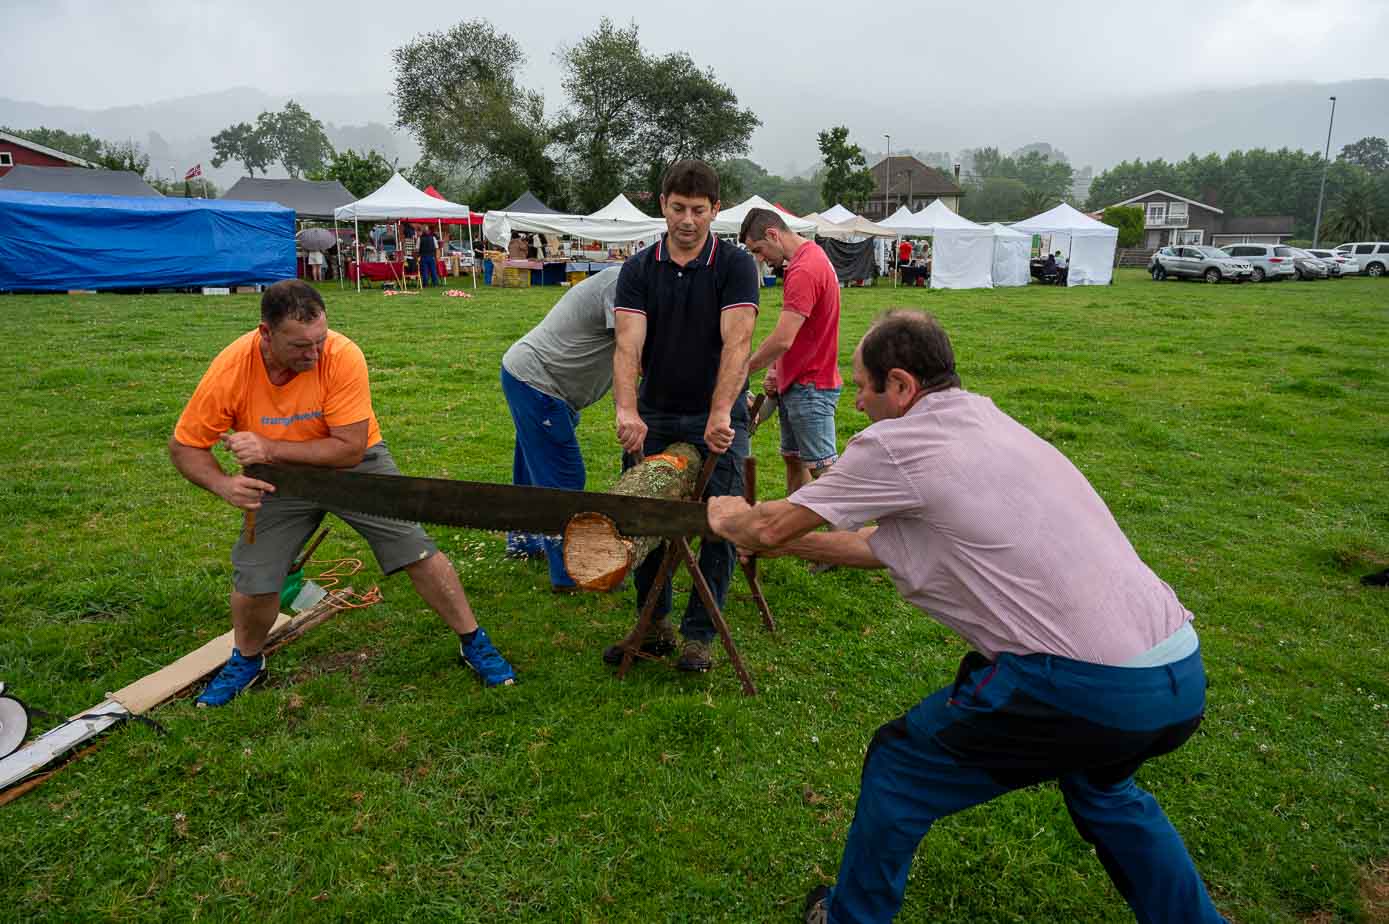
596	556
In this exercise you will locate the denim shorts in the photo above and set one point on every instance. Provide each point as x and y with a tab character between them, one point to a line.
807	424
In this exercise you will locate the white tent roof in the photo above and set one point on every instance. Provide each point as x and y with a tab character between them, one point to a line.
618	221
398	199
862	227
730	221
621	208
837	213
1004	231
1065	219
935	217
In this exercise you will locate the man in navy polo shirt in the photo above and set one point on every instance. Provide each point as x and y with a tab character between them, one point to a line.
685	313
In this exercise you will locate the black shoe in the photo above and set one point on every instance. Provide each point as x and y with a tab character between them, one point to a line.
694	657
659	642
817	906
1378	579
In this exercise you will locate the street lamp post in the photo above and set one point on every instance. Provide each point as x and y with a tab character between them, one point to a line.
1326	162
887	174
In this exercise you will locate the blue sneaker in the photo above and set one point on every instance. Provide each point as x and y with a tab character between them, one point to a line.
484	658
238	674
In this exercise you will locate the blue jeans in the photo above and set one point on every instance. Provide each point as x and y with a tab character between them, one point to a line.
1019	721
716	557
547	456
807	425
429	269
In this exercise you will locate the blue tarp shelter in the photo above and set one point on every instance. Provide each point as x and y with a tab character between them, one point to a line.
52	242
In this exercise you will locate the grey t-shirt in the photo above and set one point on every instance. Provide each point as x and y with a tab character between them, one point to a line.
569	355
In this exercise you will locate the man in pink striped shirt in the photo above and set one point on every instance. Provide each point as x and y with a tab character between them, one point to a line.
1086	664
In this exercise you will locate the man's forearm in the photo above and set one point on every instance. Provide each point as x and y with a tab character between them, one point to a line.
328	452
733	372
769	352
626	367
849	549
199	466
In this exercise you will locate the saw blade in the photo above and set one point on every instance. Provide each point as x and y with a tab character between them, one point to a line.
480	505
14	725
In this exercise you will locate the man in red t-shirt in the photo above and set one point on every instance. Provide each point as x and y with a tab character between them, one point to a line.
802	353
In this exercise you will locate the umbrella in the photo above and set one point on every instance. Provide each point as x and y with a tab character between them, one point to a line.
316	239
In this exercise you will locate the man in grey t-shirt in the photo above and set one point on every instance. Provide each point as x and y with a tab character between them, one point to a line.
551	374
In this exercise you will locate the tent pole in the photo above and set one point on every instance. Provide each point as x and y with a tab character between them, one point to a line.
337	247
893	256
441	237
472	259
357	244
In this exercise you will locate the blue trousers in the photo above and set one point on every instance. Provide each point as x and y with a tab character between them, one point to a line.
547	456
429	269
716	557
1019	721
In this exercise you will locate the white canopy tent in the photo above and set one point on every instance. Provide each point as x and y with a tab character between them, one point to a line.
397	199
962	252
837	213
1012	256
1092	242
618	221
854	228
730	220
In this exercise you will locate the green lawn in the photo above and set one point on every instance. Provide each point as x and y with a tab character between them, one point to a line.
1239	433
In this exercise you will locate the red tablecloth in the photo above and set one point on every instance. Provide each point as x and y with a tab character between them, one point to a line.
384	272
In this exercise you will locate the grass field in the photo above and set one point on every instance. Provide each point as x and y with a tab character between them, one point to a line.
1239	433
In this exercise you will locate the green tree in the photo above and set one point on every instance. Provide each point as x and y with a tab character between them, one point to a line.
847	178
996	198
362	174
458	93
77	144
1371	153
124	155
605	74
245	143
297	139
1360	211
1129	220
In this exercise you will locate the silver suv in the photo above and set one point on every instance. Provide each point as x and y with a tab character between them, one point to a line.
1197	261
1272	262
1373	256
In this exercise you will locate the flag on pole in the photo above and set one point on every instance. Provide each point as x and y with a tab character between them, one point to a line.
195	171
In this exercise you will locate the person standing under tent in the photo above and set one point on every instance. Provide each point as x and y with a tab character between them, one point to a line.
686	309
1085	663
429	258
294	392
563	365
801	355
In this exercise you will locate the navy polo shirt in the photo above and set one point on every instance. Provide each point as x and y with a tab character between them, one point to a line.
683	305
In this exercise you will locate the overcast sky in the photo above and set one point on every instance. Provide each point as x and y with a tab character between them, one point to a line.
804	61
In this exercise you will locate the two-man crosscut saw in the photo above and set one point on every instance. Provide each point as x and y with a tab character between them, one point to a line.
480	505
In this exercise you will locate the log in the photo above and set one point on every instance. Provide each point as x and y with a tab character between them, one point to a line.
596	556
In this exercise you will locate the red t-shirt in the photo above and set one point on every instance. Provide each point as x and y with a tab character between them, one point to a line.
904	251
812	291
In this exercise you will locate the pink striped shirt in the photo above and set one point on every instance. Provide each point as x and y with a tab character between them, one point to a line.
992	531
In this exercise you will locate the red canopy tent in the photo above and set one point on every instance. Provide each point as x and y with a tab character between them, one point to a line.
474	218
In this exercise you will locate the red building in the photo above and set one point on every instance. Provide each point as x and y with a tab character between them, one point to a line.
15	150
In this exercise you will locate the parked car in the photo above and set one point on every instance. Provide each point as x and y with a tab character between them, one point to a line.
1308	266
1373	256
1196	261
1272	262
1341	265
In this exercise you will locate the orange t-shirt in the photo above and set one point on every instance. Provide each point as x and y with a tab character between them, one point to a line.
236	394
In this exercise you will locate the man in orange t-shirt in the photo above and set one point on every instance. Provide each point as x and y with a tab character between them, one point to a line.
293	391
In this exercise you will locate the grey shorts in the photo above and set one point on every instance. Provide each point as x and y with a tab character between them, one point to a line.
284	524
